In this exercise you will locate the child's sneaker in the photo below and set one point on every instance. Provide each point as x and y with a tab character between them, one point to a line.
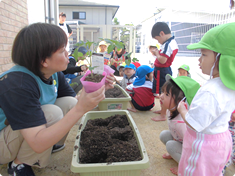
57	148
20	170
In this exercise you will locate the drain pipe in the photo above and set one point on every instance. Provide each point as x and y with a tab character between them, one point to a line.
49	7
46	11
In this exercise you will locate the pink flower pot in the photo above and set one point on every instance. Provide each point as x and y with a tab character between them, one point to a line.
92	86
108	70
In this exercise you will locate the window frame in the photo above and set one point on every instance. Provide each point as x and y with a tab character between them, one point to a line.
79	18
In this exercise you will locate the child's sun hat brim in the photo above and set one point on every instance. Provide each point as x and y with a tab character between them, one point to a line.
187	85
221	39
131	66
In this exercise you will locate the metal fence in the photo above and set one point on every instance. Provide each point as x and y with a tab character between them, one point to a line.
191	32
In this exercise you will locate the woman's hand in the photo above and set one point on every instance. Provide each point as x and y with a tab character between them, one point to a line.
109	81
88	101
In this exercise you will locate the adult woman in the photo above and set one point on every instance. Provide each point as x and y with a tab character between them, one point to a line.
118	56
38	107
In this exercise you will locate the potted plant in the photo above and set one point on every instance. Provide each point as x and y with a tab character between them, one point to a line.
113	102
115	144
96	74
91	81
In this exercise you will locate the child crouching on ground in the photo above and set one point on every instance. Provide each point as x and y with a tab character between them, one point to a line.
128	77
140	91
207	142
173	91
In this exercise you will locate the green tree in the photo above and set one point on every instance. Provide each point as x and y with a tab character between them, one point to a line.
125	35
115	21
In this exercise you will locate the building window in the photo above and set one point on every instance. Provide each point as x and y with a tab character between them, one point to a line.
79	15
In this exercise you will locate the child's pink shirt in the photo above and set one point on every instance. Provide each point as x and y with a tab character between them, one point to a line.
177	127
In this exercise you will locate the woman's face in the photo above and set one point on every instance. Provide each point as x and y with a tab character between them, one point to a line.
57	62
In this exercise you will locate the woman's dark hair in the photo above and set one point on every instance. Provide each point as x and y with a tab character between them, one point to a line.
171	87
36	42
158	27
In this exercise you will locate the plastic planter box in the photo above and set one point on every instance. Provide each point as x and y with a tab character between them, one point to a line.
115	103
132	168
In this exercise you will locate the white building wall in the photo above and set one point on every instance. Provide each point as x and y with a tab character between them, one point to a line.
146	37
169	15
94	15
36	12
109	17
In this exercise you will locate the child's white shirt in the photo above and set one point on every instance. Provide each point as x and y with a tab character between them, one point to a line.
211	108
176	126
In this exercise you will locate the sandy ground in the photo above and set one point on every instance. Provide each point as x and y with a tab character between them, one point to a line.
149	130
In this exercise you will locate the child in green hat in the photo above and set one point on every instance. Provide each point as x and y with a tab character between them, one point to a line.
207	141
173	91
183	70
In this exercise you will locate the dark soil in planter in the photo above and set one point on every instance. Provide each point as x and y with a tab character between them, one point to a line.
96	78
108	140
114	93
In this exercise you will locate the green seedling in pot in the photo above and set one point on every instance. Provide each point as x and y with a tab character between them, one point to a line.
88	44
119	45
88	54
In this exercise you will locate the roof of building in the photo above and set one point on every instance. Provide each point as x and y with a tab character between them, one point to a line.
90	3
